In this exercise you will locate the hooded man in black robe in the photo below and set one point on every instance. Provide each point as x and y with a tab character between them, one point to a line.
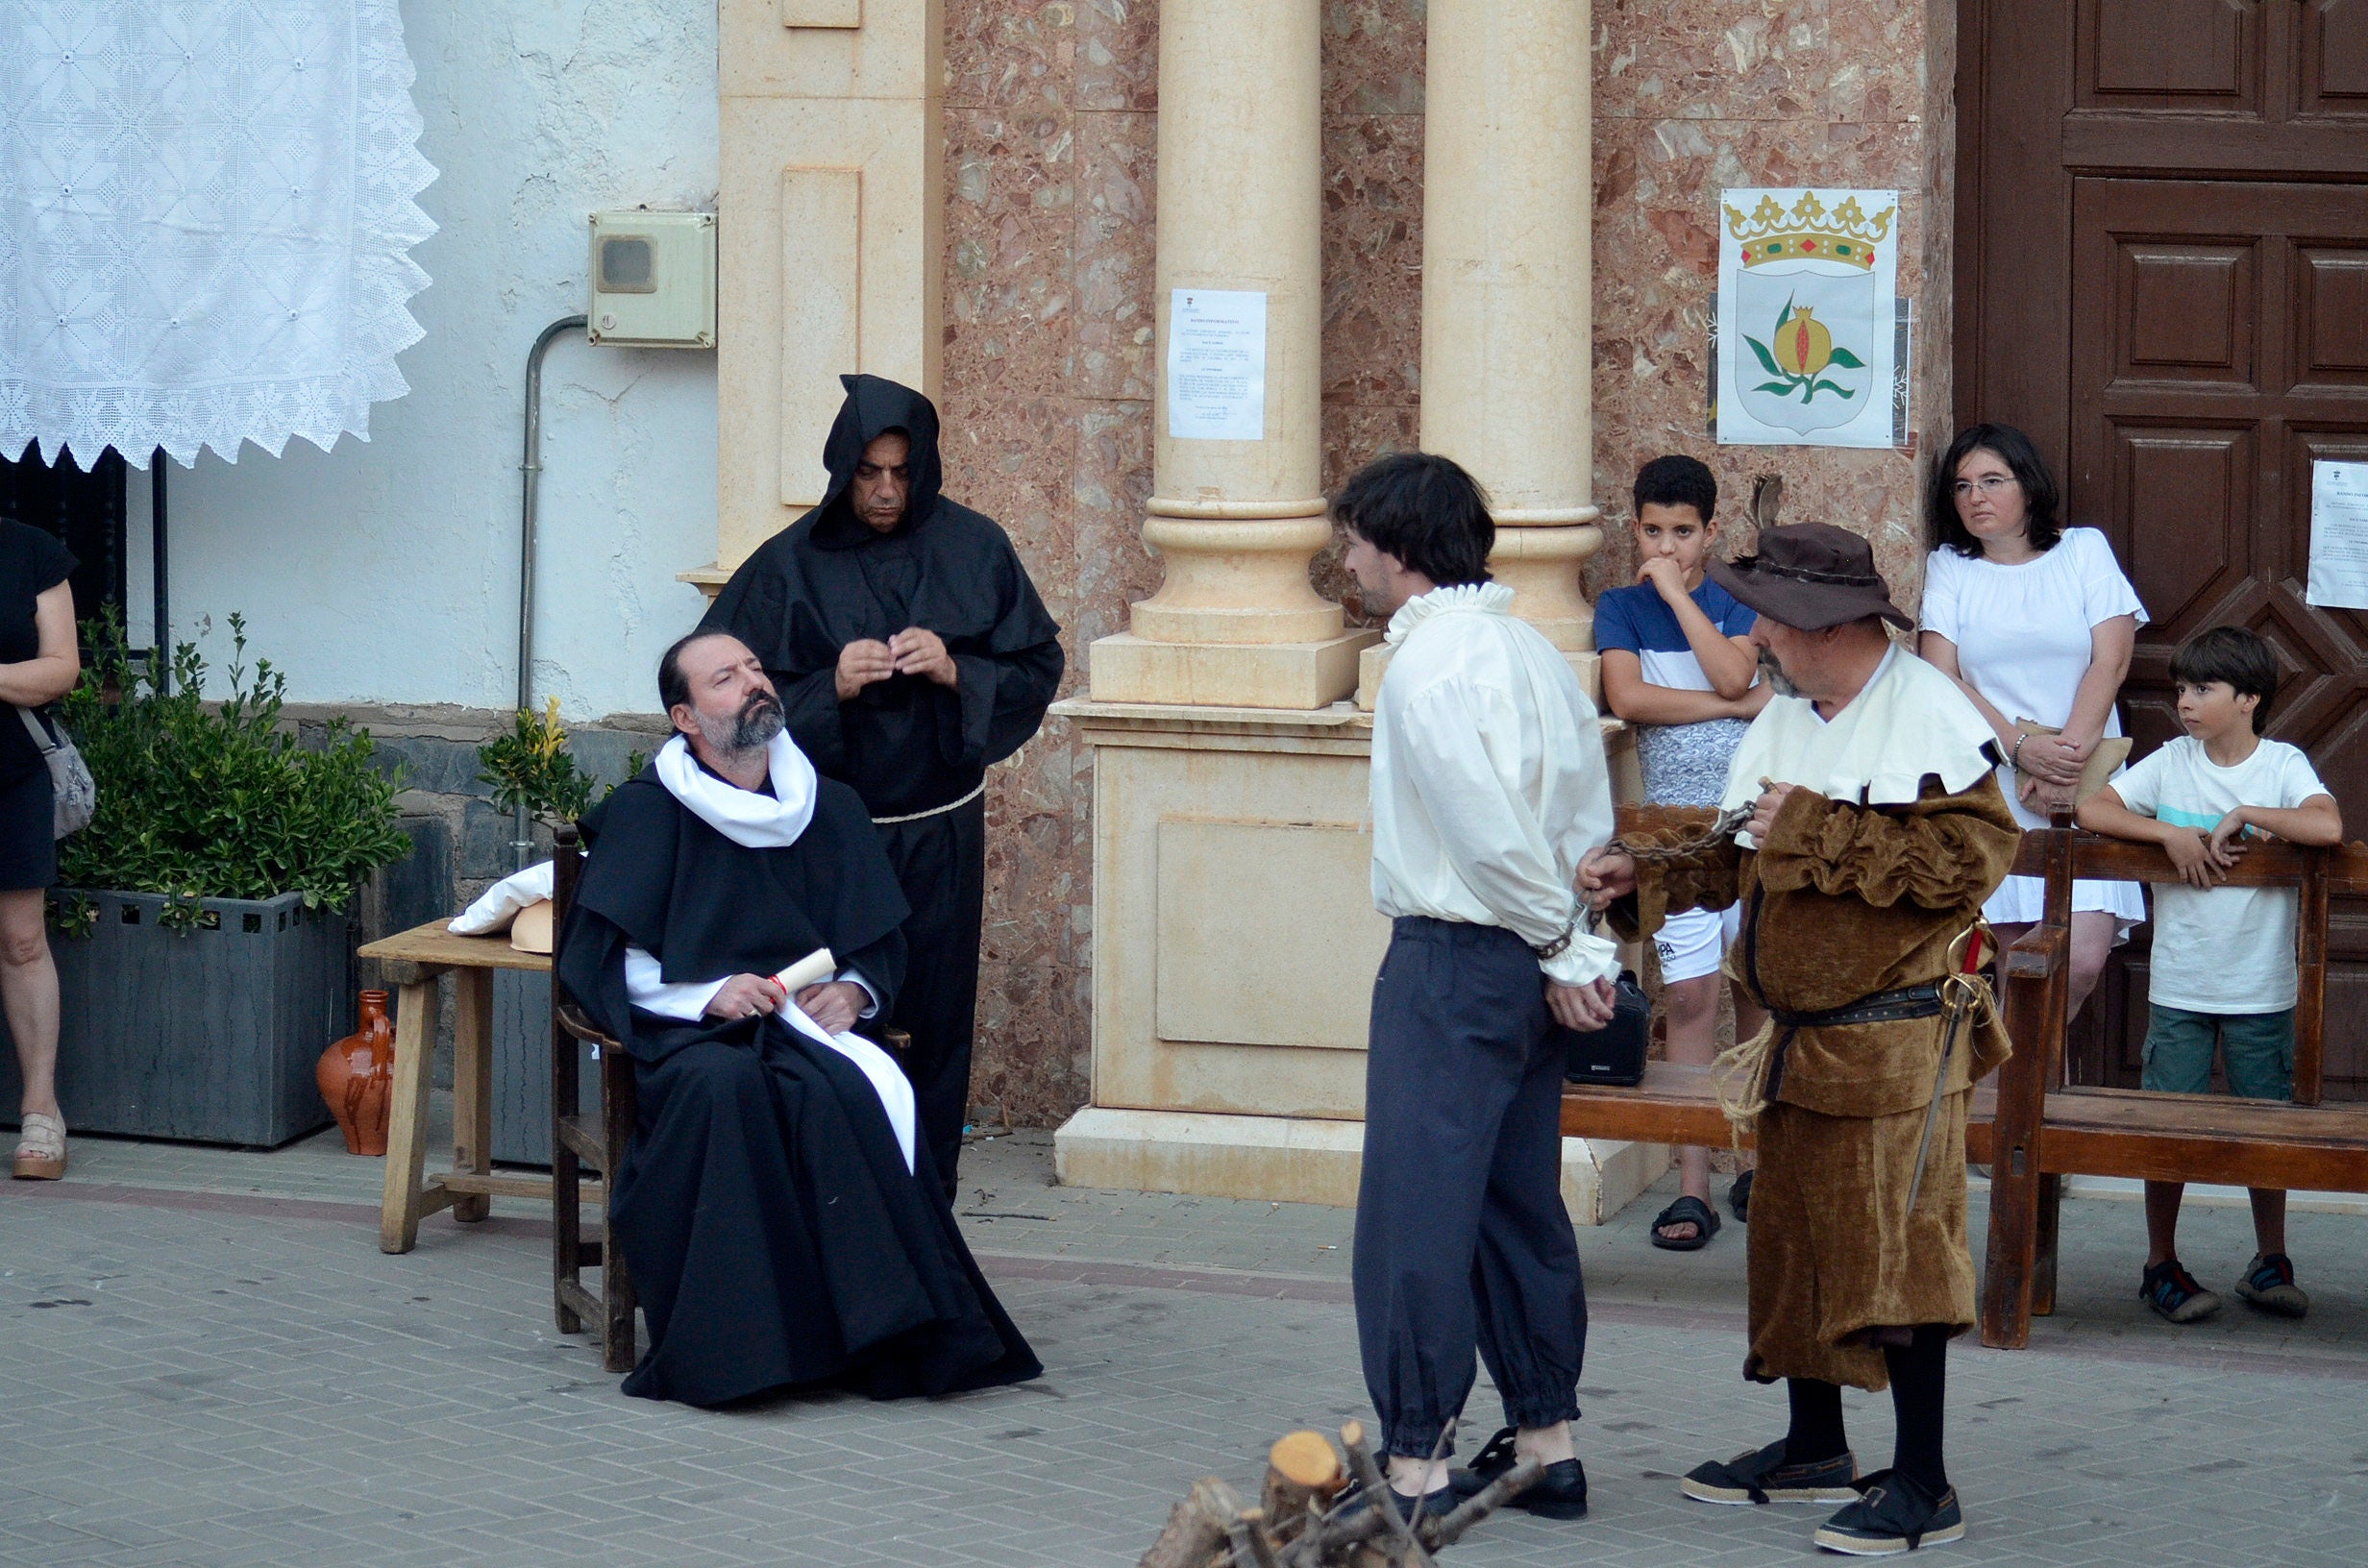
784	1224
911	652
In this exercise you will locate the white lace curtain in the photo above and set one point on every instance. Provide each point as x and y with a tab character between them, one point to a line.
206	217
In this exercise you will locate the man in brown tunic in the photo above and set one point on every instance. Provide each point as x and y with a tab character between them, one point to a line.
1873	829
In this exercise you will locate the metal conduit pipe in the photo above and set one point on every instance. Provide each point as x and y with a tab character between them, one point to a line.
530	466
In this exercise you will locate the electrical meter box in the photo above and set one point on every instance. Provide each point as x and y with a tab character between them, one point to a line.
652	281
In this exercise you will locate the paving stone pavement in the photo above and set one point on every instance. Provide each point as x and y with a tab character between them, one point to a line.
205	1358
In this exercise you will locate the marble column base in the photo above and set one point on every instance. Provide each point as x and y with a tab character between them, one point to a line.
1298	676
1297	1159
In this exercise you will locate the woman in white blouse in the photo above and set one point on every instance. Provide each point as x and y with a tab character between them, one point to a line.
2035	622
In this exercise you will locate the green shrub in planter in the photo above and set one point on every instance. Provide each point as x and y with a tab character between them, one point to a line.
216	801
209	890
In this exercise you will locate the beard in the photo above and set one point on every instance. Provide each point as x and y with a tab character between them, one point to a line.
1774	673
751	729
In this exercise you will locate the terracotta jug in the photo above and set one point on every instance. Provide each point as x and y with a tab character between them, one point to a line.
356	1076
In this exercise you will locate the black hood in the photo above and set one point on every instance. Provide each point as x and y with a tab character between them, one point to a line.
874	406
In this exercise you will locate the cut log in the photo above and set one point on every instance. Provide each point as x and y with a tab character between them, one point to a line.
1303	1476
1196	1536
1319	1522
1251	1548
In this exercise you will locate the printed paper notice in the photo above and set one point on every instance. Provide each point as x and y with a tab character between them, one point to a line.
2340	536
1216	365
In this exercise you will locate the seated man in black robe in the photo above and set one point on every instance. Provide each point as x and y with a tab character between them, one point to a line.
784	1224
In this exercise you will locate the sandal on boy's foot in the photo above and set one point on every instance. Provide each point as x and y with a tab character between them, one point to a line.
1739	1198
1559	1493
40	1149
1687	1211
1893	1513
1764	1476
2173	1294
2269	1284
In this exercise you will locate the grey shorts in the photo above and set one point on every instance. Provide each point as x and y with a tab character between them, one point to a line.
2256	1049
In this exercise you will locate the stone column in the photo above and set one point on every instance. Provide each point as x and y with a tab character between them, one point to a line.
1236	623
1508	324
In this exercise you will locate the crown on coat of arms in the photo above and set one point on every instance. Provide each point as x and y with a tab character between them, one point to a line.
1810	231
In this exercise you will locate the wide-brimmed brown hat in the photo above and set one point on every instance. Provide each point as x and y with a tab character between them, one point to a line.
1811	575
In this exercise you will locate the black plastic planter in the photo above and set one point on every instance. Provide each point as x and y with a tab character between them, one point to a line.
210	1035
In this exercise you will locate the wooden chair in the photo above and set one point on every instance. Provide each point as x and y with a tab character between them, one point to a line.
578	1142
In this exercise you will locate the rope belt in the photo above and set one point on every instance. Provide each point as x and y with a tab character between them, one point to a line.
933	811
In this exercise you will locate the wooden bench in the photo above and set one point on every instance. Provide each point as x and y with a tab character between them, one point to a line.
2044	1129
2027	1126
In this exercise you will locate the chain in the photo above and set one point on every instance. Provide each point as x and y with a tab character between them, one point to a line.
1721	829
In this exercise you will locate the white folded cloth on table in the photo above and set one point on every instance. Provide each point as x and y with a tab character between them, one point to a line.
501	904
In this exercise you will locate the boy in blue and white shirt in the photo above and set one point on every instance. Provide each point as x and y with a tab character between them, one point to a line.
2223	965
1678	663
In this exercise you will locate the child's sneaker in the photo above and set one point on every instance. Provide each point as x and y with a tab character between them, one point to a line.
2269	1284
2173	1293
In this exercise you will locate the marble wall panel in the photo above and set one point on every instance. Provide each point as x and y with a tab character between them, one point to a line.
1050	151
1034	1033
1118	55
1116	178
1691	98
1656	277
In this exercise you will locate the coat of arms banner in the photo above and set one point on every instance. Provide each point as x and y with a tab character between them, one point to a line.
1808	307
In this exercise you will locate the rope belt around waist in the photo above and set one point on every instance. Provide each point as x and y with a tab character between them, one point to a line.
1883	1006
933	811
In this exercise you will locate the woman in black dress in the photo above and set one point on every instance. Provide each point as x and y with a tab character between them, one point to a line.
39	664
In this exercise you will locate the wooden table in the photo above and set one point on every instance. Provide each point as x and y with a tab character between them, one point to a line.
413	961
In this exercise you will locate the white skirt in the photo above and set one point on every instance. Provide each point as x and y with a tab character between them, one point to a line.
2022	900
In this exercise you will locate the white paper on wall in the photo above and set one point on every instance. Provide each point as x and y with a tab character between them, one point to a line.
2340	536
1808	314
1217	364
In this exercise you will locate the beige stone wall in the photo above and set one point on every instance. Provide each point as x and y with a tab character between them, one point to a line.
1049	356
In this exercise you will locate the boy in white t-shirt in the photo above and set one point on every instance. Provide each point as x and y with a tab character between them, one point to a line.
2222	962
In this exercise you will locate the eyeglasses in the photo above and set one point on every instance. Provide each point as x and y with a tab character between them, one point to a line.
1989	486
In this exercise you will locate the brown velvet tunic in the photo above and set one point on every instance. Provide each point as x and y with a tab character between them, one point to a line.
1842	901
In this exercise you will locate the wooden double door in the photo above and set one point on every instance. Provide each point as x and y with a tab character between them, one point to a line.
2162	275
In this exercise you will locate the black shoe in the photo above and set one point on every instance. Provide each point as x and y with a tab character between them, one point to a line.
1764	1476
1893	1513
1560	1493
1436	1504
1739	1198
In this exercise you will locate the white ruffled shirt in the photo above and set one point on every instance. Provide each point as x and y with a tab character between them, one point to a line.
1488	780
1908	721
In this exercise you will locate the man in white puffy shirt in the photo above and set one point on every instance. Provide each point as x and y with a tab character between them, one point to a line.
1488	788
2222	969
